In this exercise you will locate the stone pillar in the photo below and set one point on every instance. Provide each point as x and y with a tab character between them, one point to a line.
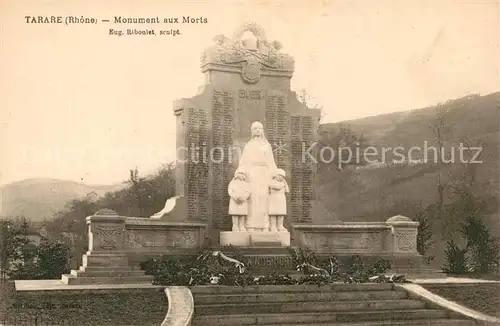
106	231
403	238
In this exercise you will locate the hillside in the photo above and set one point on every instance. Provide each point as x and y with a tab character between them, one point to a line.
38	199
374	194
472	121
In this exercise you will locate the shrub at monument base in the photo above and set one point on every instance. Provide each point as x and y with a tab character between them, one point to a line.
212	268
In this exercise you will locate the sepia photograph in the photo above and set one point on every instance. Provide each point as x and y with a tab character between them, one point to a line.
250	162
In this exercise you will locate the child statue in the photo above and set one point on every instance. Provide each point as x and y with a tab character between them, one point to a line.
278	189
239	191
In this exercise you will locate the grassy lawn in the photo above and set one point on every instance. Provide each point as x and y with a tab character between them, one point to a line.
484	298
103	308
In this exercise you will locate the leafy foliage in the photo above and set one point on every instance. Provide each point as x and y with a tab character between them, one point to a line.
425	233
316	278
50	262
275	279
208	268
142	197
484	248
304	255
13	243
456	259
481	253
379	267
356	271
52	259
332	266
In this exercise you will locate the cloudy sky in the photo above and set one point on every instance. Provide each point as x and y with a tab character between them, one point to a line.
79	104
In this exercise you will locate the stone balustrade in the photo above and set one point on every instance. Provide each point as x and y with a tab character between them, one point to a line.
109	232
118	244
397	235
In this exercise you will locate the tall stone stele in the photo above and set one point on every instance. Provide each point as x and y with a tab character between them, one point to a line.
247	79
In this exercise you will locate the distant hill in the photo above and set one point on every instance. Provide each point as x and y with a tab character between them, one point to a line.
38	199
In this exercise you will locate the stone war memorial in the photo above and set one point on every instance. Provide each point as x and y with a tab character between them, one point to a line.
242	179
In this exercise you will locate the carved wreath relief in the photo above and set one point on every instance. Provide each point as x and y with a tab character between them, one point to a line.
108	236
405	240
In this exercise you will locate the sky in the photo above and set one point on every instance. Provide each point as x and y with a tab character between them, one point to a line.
81	105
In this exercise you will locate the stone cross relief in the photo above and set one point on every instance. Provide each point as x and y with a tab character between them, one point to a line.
258	189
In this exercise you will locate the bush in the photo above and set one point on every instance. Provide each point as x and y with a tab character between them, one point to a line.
484	248
379	267
424	234
212	268
332	266
456	259
50	261
275	279
304	256
356	271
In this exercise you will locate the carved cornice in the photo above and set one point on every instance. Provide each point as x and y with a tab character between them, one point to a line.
251	56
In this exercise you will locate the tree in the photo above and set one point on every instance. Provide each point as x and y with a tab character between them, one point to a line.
339	147
424	232
13	243
482	246
306	98
438	128
147	195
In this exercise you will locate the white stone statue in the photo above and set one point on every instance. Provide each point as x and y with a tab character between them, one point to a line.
239	191
257	161
278	189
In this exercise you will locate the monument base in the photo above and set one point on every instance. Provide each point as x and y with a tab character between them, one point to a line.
253	239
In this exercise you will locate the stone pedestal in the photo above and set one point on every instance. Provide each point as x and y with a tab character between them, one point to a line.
403	238
106	261
255	239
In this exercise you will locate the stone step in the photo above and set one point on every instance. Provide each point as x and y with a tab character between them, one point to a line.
73	280
419	273
335	287
108	268
107	273
383	317
287	307
434	322
299	297
375	315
